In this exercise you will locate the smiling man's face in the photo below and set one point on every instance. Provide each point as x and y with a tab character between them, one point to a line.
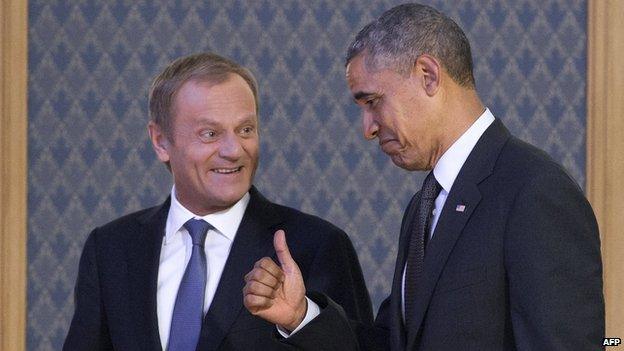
215	144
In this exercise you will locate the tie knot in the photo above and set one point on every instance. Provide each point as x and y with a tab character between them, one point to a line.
197	228
430	188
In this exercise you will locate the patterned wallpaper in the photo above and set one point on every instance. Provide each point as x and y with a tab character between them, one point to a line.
91	61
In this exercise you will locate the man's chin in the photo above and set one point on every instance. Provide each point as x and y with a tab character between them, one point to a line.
399	161
231	197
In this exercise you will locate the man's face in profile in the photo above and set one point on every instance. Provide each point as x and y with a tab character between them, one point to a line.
214	151
396	111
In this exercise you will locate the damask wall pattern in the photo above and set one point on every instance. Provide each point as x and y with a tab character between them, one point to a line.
91	62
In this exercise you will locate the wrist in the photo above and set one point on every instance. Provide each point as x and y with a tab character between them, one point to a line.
299	315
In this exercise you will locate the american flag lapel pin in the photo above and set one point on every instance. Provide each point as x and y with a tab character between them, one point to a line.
460	208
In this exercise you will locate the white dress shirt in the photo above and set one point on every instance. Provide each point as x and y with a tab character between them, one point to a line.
447	169
176	253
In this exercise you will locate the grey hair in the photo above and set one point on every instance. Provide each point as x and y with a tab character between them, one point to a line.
397	38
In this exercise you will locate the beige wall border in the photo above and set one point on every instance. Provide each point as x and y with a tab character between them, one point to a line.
13	176
605	146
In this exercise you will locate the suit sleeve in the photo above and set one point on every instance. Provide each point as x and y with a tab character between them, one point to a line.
332	330
335	282
336	272
554	269
88	329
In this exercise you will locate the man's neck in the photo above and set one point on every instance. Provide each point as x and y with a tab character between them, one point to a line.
462	107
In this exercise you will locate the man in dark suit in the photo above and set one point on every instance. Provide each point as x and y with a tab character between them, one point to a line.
498	251
171	277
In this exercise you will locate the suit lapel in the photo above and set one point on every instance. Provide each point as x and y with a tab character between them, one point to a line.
465	192
397	329
254	239
143	257
448	230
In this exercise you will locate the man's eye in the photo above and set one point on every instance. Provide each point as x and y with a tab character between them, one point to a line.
371	102
208	134
248	130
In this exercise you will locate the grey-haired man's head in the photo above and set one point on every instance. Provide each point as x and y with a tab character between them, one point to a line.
401	34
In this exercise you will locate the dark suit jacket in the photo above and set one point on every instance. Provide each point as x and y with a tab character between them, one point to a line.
116	287
518	269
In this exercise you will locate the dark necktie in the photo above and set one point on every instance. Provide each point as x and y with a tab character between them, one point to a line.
416	254
189	306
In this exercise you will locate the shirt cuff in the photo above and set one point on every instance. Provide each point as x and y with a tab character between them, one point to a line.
311	313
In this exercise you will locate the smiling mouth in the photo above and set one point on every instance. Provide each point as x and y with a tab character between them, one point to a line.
227	170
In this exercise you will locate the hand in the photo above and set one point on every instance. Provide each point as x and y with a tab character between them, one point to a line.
274	293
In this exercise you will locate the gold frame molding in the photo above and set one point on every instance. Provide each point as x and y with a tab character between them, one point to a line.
13	172
605	147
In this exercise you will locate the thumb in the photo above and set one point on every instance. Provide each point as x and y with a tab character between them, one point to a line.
282	251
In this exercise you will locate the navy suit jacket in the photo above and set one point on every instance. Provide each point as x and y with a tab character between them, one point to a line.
514	264
116	286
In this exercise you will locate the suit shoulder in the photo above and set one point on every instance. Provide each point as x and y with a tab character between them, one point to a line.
308	224
292	214
129	222
528	162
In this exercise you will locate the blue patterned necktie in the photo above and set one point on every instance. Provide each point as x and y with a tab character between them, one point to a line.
416	252
188	312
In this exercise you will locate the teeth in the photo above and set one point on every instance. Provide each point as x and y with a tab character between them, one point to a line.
226	170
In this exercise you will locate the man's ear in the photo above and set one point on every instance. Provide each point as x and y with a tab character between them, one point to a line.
159	140
429	68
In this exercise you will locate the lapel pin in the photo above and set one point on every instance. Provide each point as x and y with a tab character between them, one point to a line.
460	208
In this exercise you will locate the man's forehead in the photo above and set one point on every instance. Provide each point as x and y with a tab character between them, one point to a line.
356	65
355	73
361	80
349	73
230	101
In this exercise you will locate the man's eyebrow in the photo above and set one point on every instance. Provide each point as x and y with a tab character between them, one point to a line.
207	121
250	118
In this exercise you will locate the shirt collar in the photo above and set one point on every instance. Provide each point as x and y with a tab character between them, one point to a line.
225	222
451	162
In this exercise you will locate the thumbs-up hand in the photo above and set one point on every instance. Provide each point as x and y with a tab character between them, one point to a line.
276	293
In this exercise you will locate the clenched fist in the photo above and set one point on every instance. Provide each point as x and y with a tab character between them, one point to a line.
276	293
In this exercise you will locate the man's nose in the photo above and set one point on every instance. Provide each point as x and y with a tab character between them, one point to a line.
231	147
370	125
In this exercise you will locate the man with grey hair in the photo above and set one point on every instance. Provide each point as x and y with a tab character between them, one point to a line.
498	251
171	277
